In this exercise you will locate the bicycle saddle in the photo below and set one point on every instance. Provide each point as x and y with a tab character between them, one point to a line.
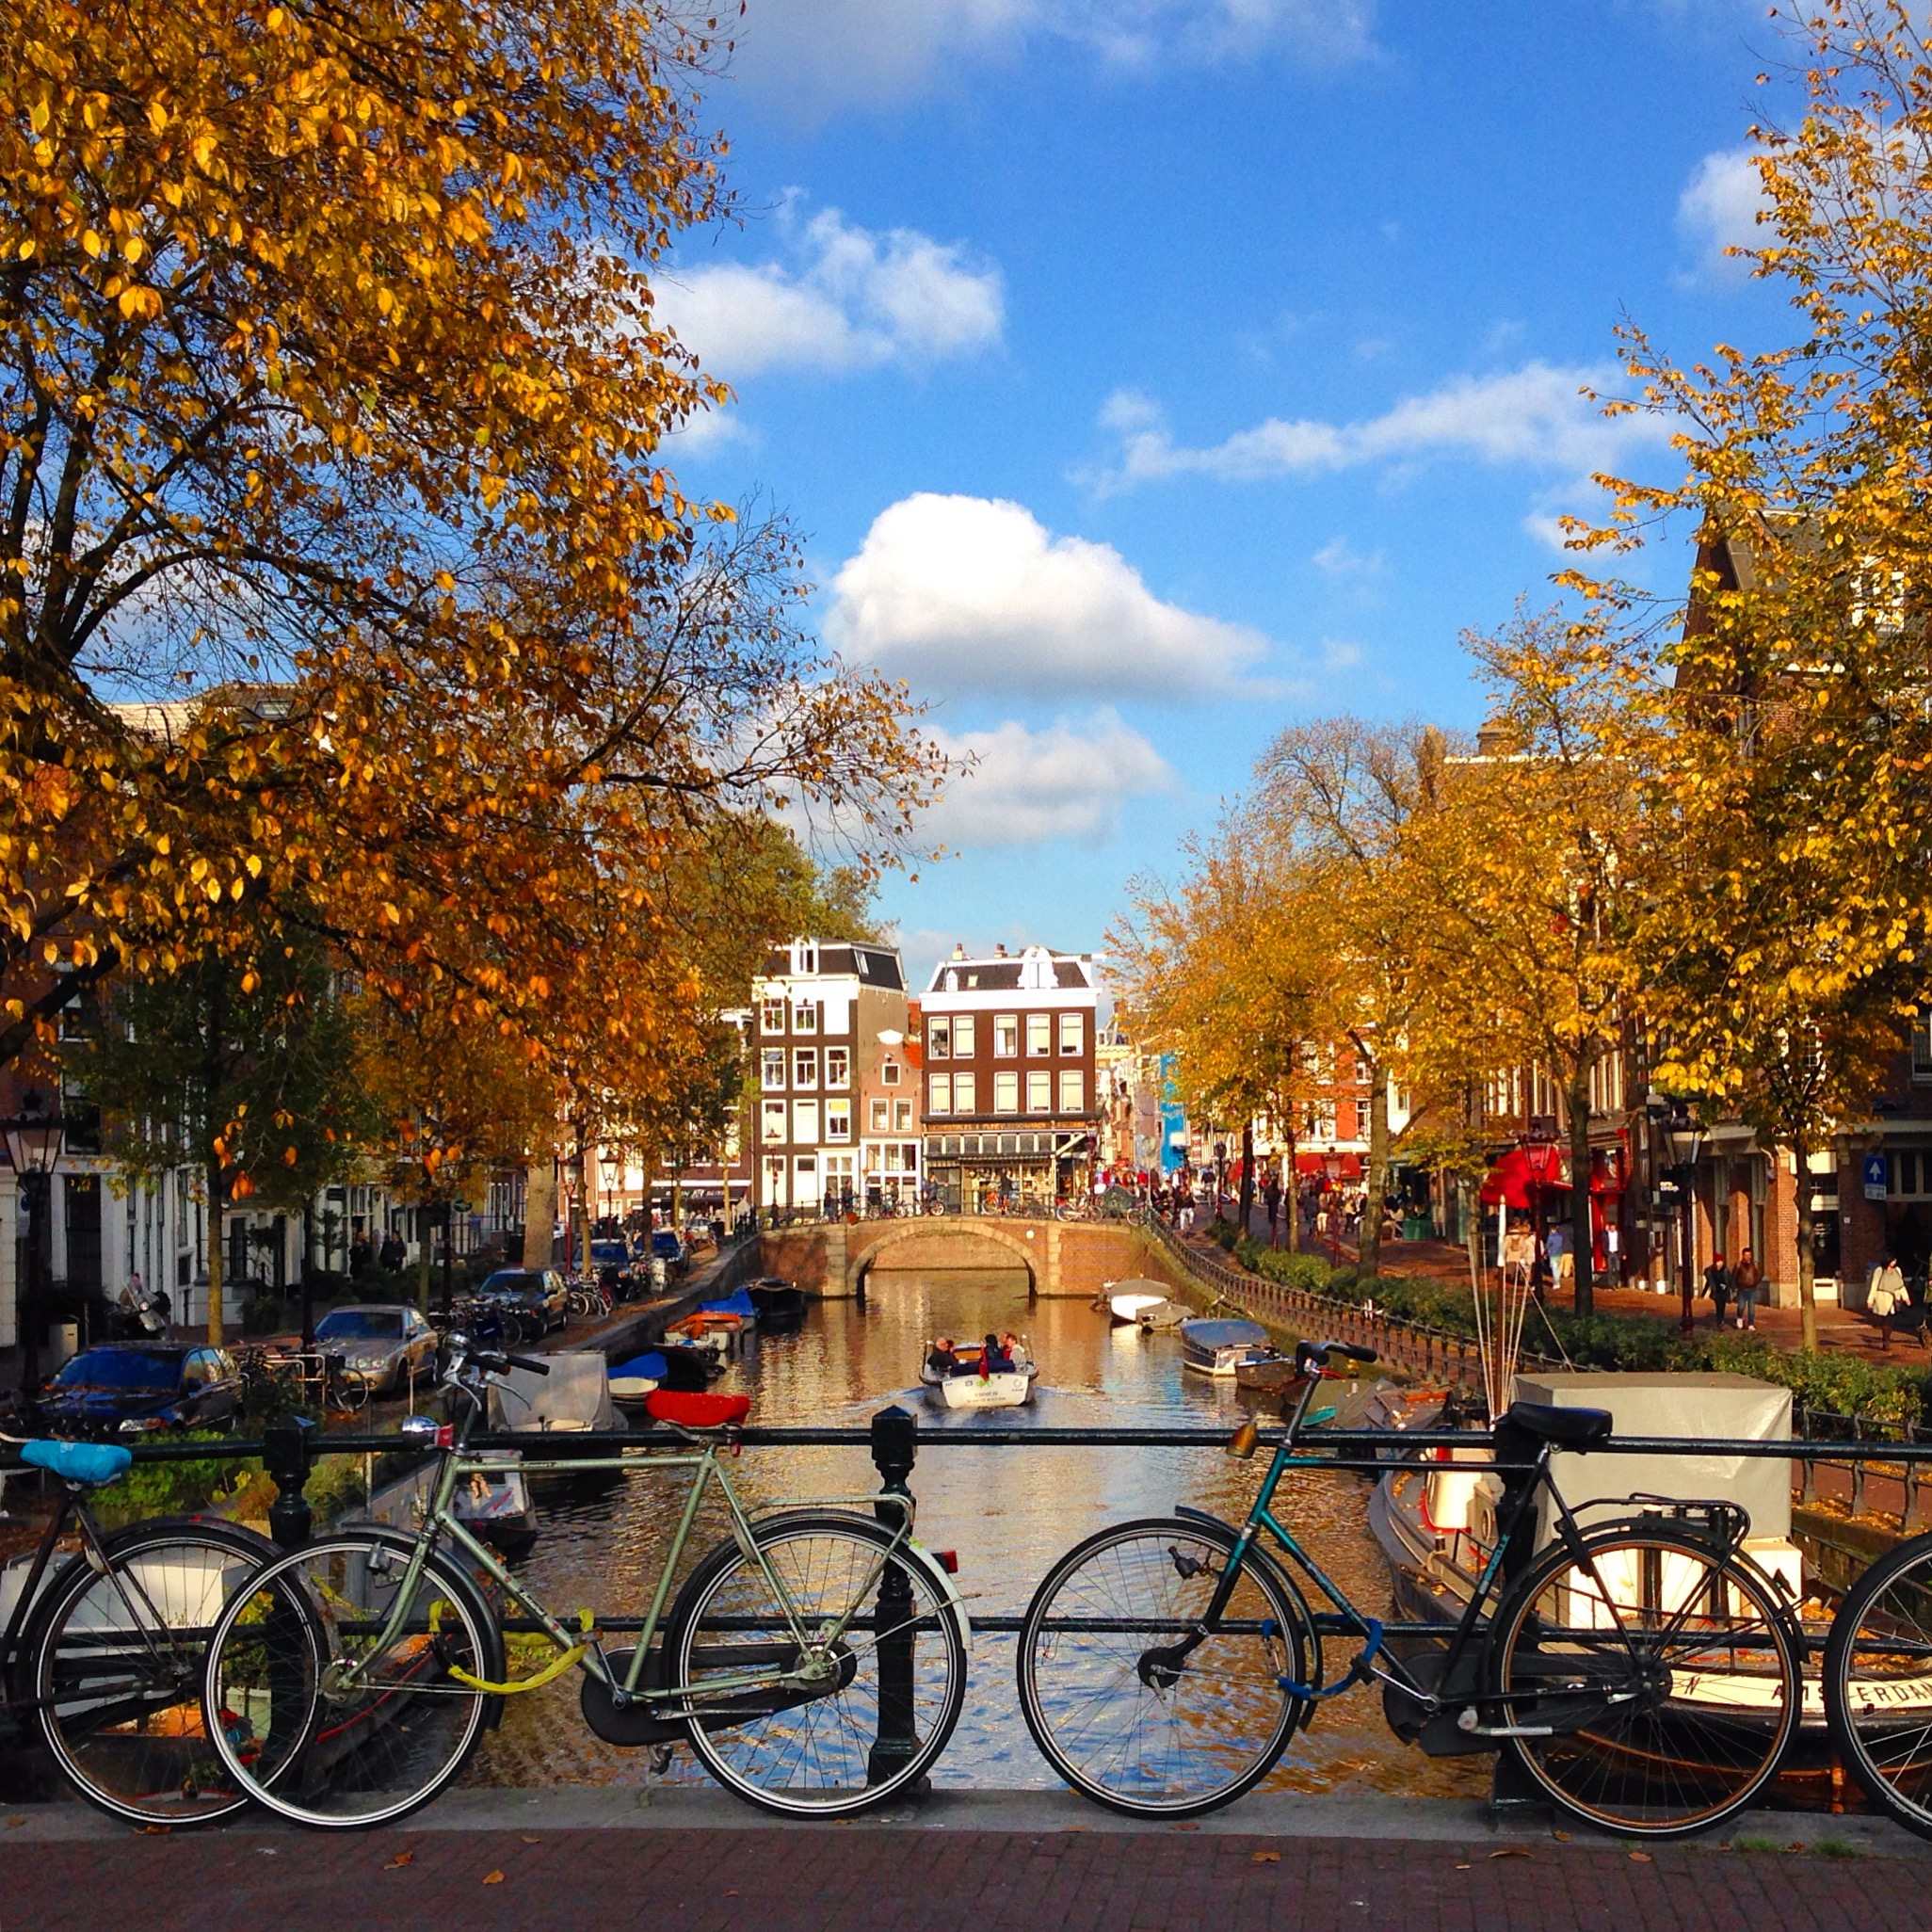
693	1411
79	1462
1569	1429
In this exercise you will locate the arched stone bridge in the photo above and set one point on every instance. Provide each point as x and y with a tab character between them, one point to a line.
1070	1258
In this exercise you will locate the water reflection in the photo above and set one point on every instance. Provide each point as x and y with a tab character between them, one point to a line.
1008	1512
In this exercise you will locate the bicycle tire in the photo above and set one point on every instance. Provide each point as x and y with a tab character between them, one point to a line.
113	1662
1672	1668
816	1756
1103	1719
347	1763
1879	1683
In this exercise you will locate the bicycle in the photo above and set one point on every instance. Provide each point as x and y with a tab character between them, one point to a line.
1879	1683
1645	1672
814	1663
107	1658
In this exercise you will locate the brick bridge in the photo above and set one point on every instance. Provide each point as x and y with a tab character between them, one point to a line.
1060	1258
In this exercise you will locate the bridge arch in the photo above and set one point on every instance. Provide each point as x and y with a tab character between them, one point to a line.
949	1242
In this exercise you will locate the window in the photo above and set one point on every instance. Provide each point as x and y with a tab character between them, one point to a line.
939	1039
774	1021
838	1121
1005	1093
804	1065
804	958
806	1167
1039	1035
774	1066
1007	1035
889	1073
878	1117
963	1029
965	1093
838	1066
902	1114
938	1094
1072	1032
1072	1094
805	1120
1039	1093
804	1016
774	1122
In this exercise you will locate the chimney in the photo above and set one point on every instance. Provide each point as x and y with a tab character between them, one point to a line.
1000	951
958	951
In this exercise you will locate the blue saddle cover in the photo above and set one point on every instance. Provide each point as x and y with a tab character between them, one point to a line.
80	1463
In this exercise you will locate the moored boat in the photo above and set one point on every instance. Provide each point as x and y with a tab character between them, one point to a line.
1126	1299
1217	1346
1162	1314
633	1381
780	1303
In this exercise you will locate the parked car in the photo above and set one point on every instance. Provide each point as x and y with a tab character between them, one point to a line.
667	1247
531	1291
380	1342
136	1387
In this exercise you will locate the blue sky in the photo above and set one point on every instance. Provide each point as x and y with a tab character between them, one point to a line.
1146	375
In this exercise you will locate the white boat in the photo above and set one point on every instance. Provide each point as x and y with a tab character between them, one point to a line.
1163	1315
632	1381
1126	1299
1218	1346
969	1389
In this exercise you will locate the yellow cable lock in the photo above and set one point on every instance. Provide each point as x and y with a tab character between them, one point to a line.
556	1668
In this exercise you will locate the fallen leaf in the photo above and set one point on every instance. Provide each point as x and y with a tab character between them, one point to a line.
1462	1868
400	1859
1188	1827
733	1893
1642	1859
13	1823
493	1877
1796	1844
1563	1835
1266	1858
147	1830
529	1839
1514	1851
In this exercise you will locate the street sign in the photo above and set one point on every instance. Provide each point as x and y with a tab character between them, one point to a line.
1875	1177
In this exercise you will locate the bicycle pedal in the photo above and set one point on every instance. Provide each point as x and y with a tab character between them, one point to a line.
661	1757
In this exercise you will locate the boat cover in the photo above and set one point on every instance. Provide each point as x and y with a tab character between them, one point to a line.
640	1368
1741	1408
1221	1332
736	1303
575	1394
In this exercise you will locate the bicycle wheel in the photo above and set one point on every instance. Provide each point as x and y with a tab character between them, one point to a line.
1879	1683
346	1395
299	1740
854	1722
1144	1735
1670	1674
113	1666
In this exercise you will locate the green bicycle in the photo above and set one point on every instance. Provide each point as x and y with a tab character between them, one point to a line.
816	1662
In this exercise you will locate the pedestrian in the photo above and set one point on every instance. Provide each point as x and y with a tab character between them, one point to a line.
1887	1296
129	1305
1717	1286
1272	1195
1745	1279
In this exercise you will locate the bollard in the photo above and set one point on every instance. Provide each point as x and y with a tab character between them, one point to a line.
894	1449
287	1453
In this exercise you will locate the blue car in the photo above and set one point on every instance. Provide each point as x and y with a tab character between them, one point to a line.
666	1247
136	1387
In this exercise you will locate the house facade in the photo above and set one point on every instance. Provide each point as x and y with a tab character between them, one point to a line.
1011	1100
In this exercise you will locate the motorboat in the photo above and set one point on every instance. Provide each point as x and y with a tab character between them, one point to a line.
781	1304
493	1503
965	1387
572	1399
1162	1315
718	1327
1126	1299
633	1381
1218	1344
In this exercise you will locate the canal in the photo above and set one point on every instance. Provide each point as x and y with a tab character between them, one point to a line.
1007	1513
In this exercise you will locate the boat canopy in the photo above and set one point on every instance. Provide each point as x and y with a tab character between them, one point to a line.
1222	1333
736	1303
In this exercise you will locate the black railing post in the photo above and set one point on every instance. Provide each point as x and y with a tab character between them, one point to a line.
894	1449
287	1453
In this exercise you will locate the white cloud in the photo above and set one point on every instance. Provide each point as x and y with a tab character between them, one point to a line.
846	298
809	57
1339	559
1028	786
965	593
1536	416
1718	209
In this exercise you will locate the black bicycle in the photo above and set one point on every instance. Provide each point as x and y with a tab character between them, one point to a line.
1646	1671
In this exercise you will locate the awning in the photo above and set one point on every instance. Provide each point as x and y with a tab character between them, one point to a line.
1348	1166
1512	1181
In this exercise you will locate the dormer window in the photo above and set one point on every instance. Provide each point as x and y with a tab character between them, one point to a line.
804	958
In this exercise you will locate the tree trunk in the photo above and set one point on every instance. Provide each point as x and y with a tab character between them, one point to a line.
1807	1297
1291	1196
539	1201
1368	1246
1246	1175
1580	1231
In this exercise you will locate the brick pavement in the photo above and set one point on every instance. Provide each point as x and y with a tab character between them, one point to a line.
834	1879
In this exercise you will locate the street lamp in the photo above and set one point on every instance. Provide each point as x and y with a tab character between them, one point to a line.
34	1137
1683	1139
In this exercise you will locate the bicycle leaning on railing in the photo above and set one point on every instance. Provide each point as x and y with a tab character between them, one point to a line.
1646	1671
104	1654
816	1662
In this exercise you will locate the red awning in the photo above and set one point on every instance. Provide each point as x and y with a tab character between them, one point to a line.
1513	1181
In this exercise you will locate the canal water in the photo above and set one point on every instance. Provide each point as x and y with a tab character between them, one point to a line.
1007	1513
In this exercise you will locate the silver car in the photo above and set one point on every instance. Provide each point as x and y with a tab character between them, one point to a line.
380	1342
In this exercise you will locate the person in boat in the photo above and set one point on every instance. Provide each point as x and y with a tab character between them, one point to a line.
942	1362
1014	1350
994	1359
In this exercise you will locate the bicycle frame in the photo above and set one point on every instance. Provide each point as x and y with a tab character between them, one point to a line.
440	1522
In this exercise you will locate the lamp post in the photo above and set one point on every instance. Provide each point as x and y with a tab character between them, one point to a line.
34	1137
1683	1138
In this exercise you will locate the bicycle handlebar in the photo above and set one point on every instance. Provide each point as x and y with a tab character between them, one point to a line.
498	1358
1318	1354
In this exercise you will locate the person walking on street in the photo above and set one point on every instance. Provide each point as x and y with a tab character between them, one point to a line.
1272	1195
1888	1297
1745	1279
1717	1286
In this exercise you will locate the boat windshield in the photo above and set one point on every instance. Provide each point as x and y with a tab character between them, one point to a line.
360	1325
121	1369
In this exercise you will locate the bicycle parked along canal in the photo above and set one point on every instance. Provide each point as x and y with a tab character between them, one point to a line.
104	1654
1646	1673
816	1662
